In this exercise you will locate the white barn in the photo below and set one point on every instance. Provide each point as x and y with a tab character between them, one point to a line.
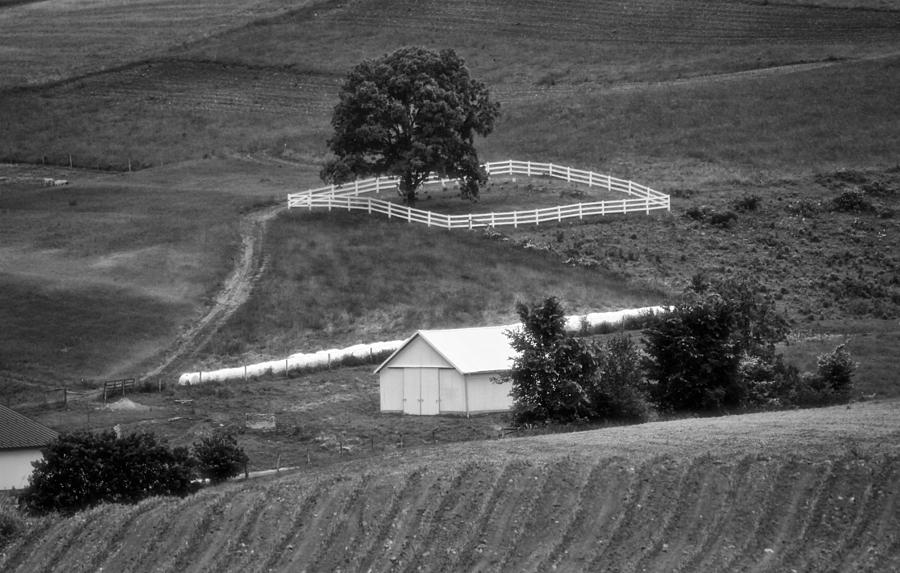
21	441
448	372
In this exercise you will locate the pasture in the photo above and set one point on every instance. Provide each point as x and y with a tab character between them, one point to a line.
184	121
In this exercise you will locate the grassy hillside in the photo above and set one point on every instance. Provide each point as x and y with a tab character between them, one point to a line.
813	490
98	275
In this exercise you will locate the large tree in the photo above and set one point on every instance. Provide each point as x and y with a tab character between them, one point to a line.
408	114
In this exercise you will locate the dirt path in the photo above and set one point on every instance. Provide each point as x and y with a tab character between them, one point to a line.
249	265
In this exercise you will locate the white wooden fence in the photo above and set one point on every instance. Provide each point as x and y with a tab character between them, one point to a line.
348	196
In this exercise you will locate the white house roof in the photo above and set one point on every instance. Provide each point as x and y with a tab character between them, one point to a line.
468	350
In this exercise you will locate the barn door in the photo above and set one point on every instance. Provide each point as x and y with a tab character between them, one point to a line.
430	392
421	393
412	396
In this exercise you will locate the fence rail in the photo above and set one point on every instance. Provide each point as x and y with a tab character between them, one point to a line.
347	196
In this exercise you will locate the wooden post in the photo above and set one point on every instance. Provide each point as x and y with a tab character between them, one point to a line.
515	219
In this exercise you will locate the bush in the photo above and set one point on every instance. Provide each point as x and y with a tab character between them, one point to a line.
722	220
700	353
747	203
219	457
618	390
851	202
552	370
12	526
835	372
82	469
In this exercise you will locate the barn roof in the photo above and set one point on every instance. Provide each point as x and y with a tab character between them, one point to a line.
18	431
468	350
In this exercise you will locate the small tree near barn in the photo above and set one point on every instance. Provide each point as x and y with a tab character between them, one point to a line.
552	374
219	457
408	114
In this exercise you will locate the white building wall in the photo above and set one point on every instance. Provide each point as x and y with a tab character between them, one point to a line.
418	353
486	396
453	392
15	467
391	389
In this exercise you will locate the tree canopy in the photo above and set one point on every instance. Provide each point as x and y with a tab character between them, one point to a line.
408	114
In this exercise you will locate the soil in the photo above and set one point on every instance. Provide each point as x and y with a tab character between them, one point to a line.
810	490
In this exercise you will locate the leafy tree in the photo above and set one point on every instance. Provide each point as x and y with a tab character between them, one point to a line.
82	469
617	392
552	372
408	114
713	346
219	457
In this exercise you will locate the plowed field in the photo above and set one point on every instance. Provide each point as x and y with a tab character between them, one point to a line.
813	490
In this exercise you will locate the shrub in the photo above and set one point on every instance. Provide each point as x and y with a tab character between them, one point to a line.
835	372
722	220
696	350
12	526
618	391
851	202
219	457
747	203
82	469
552	369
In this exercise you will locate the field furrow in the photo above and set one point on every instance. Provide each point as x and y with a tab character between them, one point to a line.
551	515
343	534
679	535
380	525
237	519
728	522
610	488
112	538
874	510
277	525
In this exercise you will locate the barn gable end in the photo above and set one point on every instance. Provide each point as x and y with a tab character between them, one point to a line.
448	372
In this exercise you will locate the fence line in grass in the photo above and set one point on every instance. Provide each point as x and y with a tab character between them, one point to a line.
348	196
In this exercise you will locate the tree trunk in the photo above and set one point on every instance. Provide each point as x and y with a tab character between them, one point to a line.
408	187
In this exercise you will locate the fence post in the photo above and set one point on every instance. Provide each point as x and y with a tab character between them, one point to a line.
590	178
470	221
529	169
568	174
536	219
515	219
389	209
581	210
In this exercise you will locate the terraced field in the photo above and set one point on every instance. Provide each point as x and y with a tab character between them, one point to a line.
814	490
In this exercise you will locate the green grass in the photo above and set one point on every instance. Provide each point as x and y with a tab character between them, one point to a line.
97	277
339	279
769	128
